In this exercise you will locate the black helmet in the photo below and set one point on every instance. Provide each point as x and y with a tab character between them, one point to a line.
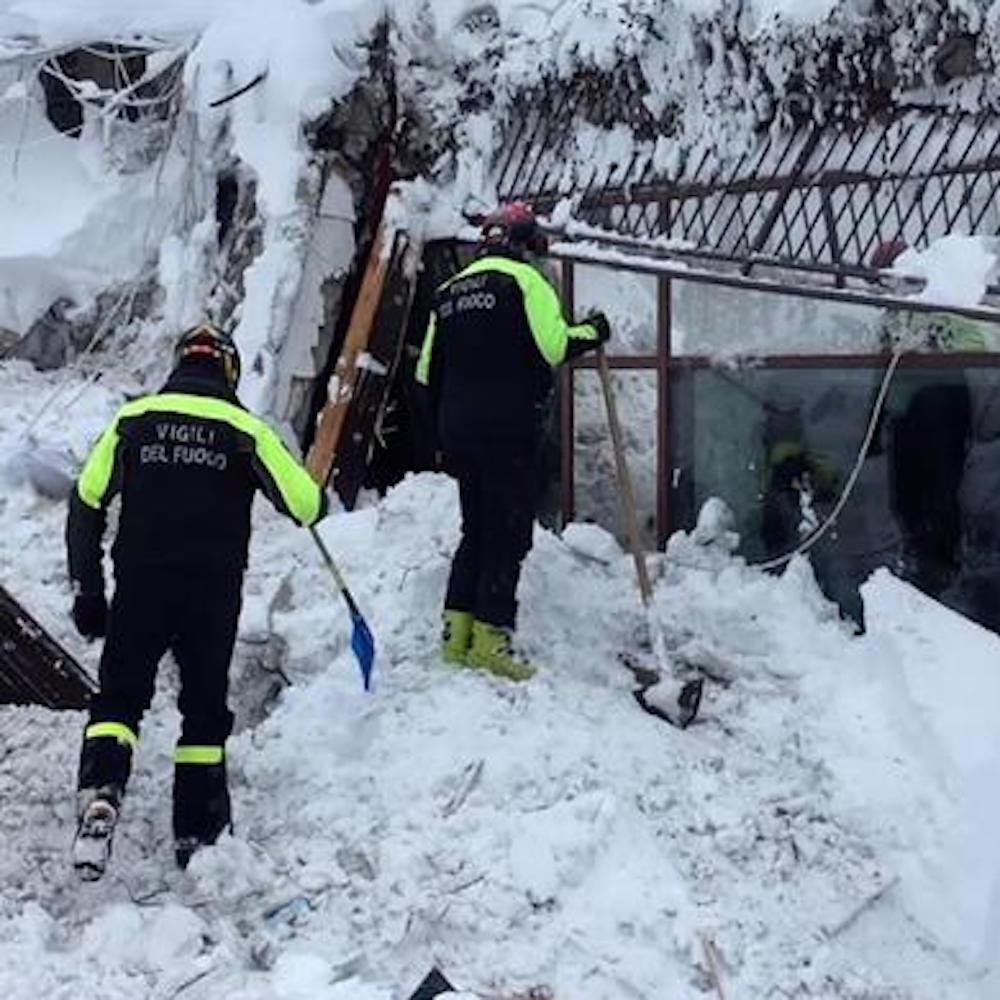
514	225
207	341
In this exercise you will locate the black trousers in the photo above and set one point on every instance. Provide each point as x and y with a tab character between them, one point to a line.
930	443
192	613
498	489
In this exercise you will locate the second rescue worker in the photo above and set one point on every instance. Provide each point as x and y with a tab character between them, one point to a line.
495	333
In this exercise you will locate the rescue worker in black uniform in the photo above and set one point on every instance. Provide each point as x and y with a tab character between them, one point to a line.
187	462
930	435
495	333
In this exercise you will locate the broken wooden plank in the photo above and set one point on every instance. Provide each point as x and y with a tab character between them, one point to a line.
340	392
712	961
34	668
367	423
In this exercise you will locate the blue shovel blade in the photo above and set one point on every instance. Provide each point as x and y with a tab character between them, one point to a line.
363	645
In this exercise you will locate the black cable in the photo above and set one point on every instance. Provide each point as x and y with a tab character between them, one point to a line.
259	78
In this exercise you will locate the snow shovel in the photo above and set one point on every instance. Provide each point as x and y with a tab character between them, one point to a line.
362	641
676	702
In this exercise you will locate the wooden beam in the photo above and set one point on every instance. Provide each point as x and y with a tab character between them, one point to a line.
340	391
34	668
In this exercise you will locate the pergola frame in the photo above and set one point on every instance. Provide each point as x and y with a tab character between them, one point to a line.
816	200
798	213
664	361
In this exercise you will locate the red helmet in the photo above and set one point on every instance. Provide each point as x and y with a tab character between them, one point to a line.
207	341
514	224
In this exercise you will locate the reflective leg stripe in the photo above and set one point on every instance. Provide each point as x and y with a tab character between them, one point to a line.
197	755
116	730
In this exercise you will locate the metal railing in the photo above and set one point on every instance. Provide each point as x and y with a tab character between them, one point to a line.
818	199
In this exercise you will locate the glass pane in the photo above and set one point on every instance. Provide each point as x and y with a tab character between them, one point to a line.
597	494
714	321
778	445
627	298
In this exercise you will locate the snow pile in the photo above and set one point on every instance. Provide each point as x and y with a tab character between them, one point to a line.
518	836
827	829
72	226
956	269
307	57
943	712
77	225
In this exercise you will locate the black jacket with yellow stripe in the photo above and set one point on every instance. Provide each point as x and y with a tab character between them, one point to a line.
186	461
496	331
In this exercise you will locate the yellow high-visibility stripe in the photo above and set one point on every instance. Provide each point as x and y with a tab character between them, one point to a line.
542	308
95	476
198	755
300	493
423	373
116	730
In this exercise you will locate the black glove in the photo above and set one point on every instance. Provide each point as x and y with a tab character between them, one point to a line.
789	470
600	323
90	615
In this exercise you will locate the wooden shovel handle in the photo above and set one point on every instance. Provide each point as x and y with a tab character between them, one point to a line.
624	479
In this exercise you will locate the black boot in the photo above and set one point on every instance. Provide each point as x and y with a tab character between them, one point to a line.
105	763
201	807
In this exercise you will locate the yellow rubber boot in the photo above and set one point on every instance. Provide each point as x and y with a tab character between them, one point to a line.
456	634
491	650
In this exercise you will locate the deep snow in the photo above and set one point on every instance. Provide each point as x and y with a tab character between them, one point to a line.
826	825
829	826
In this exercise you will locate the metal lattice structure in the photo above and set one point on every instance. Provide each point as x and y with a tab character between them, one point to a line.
817	199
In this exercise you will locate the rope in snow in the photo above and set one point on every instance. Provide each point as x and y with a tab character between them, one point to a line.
116	100
820	531
122	98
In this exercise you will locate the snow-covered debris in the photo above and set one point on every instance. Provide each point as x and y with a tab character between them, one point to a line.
75	225
715	525
956	269
50	471
592	542
72	226
543	835
548	834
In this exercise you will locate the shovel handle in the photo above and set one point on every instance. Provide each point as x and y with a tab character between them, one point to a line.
624	479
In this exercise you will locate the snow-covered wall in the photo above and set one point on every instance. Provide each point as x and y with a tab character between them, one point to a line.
76	224
700	74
